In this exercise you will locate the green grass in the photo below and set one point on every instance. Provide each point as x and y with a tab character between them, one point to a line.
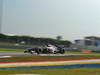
61	71
16	50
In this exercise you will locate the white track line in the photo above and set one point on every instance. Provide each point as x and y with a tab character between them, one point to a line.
5	56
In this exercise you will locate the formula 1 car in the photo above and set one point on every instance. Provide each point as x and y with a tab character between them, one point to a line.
44	51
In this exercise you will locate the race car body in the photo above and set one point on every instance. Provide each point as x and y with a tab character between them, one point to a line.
47	50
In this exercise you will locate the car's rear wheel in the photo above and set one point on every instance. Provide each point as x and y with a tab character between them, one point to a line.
25	51
62	51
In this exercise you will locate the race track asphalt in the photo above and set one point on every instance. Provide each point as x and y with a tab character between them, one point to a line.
12	53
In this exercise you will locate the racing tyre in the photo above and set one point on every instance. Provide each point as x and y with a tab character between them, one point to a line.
25	51
62	51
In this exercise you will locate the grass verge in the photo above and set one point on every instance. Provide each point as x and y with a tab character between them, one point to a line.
60	71
16	50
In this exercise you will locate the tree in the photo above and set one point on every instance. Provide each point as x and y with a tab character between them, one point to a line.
59	37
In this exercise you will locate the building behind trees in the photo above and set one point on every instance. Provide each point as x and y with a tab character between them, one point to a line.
90	42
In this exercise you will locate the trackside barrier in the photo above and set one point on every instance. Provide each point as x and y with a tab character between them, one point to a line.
56	66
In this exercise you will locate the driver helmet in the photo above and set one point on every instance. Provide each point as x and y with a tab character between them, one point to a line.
49	45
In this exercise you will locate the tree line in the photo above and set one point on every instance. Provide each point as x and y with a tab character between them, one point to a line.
28	40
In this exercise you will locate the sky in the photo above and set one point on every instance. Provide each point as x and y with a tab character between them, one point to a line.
71	19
